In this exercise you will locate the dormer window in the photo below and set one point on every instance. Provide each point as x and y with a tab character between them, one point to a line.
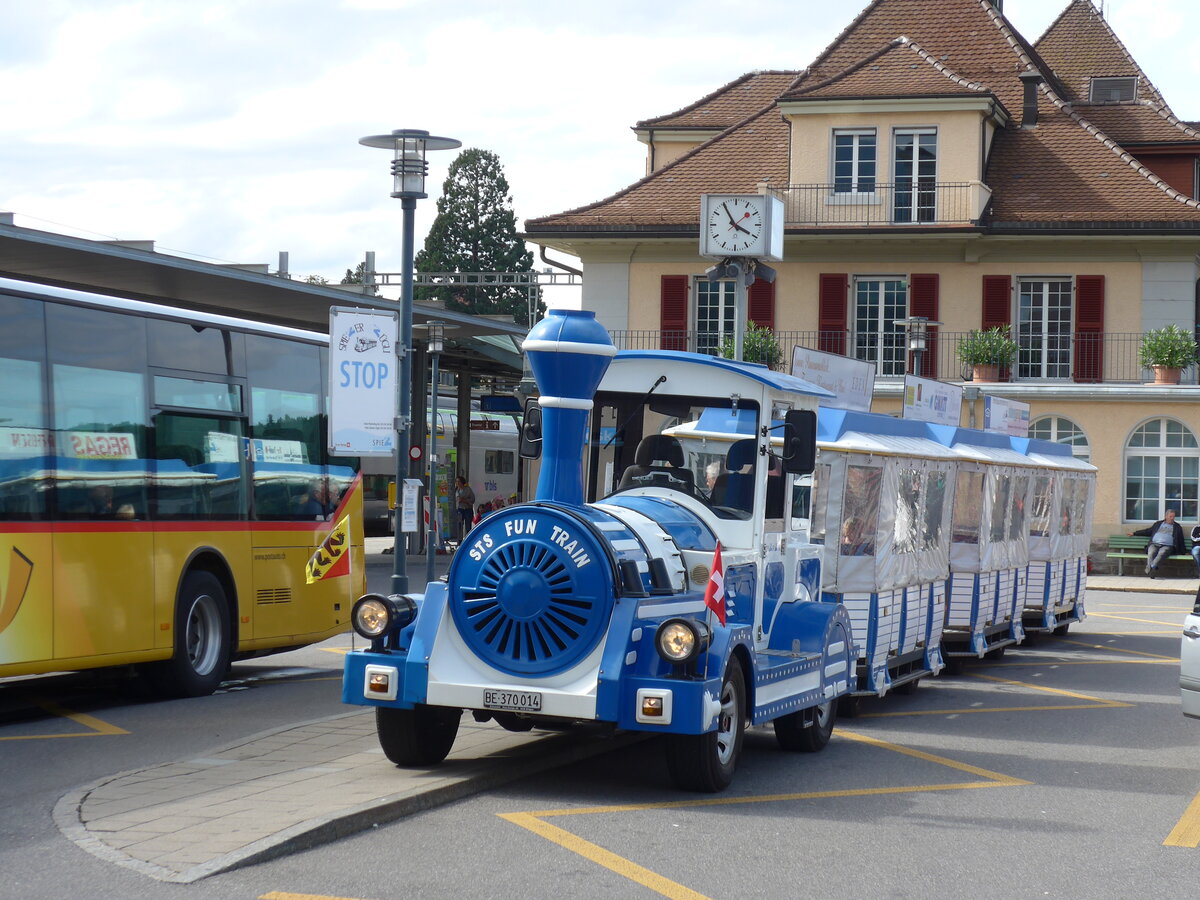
1113	90
854	161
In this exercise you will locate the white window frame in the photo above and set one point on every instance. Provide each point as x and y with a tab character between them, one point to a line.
1185	508
1096	81
1043	331
1061	435
916	131
854	194
881	338
727	292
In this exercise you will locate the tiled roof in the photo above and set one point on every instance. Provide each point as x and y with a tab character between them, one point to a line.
967	36
1138	123
727	105
1079	45
899	69
733	162
1066	169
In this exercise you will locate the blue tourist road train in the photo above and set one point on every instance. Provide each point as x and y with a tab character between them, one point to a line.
562	612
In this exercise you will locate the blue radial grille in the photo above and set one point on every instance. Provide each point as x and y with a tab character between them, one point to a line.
530	609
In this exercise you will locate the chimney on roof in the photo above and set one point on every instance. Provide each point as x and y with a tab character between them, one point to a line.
1029	112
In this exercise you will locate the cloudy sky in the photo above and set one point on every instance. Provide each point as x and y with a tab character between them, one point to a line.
227	130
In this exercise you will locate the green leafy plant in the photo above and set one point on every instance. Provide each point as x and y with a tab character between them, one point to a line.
993	347
1172	347
758	346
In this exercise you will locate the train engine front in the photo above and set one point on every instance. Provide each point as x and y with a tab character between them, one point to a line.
557	612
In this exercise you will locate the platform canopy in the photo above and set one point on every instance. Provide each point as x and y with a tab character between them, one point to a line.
133	269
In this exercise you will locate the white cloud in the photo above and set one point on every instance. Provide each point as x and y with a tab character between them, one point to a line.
229	129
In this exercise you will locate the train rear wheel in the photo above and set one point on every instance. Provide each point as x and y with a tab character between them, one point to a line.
421	736
808	730
706	762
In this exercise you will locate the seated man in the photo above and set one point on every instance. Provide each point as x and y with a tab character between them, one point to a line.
1166	539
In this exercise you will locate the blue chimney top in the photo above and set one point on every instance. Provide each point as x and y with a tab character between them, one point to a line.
569	352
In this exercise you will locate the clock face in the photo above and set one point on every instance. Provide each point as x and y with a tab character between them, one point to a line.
735	224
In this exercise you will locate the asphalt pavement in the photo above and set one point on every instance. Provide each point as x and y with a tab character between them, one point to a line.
306	784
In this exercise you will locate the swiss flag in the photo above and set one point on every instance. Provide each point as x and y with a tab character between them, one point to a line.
714	594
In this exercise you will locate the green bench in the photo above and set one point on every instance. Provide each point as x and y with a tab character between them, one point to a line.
1122	547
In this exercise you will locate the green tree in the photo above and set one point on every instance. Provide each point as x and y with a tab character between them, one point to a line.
315	279
356	276
476	231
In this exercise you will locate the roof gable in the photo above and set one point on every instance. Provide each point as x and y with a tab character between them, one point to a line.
967	36
1079	45
727	105
899	69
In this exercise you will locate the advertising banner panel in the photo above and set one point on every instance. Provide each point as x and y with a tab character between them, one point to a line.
363	372
1009	417
852	381
932	401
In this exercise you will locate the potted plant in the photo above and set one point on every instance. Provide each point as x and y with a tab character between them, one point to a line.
987	352
1168	351
758	345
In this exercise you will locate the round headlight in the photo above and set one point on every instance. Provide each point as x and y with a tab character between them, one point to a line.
372	615
677	640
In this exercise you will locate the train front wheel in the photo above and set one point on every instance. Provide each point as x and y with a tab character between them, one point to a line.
706	762
421	736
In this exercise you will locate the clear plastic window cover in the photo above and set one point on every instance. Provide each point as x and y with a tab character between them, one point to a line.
820	503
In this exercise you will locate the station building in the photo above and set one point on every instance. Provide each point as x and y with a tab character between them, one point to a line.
934	162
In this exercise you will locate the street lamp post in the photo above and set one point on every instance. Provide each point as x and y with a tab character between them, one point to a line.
917	331
409	169
435	333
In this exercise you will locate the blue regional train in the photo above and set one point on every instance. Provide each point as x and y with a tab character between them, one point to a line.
747	557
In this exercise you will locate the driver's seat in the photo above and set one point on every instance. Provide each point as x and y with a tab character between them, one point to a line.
658	462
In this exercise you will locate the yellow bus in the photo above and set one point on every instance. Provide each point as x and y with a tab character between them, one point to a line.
164	479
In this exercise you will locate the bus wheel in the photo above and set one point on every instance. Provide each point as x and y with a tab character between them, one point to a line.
1062	630
807	730
202	649
421	736
706	762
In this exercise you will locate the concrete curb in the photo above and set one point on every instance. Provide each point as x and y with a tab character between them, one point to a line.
540	752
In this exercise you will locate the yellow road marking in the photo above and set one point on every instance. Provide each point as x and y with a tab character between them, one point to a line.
597	854
341	650
1186	832
1050	690
1123	650
1135	619
533	821
1093	702
285	895
1054	663
98	727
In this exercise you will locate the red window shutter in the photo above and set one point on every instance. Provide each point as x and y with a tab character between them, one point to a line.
923	301
997	301
674	313
760	304
832	313
1089	328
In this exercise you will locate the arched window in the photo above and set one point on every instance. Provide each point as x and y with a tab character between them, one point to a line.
1162	471
1062	431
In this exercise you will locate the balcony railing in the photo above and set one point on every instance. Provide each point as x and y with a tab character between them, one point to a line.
1071	358
873	204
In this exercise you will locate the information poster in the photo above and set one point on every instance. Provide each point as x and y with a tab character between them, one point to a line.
1009	417
363	372
852	381
932	401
